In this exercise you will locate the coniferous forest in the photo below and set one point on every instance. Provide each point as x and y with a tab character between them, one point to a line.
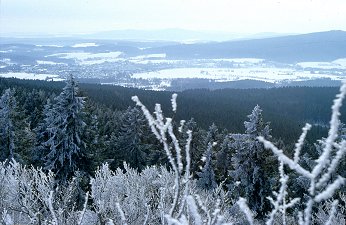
74	153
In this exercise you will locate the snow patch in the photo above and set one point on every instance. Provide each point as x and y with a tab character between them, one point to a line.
150	56
41	62
86	58
240	60
84	45
55	46
31	76
6	51
336	64
269	74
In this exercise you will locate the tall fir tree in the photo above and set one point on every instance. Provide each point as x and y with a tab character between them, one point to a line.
197	144
7	128
252	176
64	150
16	138
131	143
223	159
206	179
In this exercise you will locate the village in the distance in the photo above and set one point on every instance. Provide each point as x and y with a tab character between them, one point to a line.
168	65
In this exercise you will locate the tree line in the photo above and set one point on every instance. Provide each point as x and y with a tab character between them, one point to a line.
67	132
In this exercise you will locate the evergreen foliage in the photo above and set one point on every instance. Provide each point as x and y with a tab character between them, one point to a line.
252	167
16	137
206	179
63	147
131	143
7	129
70	131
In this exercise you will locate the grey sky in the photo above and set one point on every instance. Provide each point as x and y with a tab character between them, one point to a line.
239	16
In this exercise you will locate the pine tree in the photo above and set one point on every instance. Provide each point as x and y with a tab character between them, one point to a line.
131	142
207	176
7	134
212	136
42	135
197	145
252	176
16	138
92	139
63	128
223	159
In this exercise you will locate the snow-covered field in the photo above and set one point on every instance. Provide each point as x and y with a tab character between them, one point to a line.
336	64
241	60
55	46
86	58
84	45
31	76
272	75
41	62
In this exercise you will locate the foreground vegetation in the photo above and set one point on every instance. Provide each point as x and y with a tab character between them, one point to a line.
52	171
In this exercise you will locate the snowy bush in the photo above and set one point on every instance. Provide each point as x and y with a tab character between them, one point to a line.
323	179
158	195
29	196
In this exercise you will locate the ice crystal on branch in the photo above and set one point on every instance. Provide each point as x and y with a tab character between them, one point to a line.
322	185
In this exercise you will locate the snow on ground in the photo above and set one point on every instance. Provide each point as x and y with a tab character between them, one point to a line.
272	75
150	56
240	60
155	61
6	51
42	62
31	76
84	45
86	58
341	62
336	64
56	46
7	61
144	59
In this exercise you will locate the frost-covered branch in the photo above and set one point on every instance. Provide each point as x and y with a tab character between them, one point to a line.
282	157
184	209
246	210
332	212
299	144
81	216
162	127
51	208
122	214
322	186
280	205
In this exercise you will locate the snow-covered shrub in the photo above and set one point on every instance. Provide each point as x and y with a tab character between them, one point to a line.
323	214
29	196
143	197
323	178
186	207
135	193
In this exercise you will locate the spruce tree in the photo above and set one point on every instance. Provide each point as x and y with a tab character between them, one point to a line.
197	144
130	144
223	159
16	138
64	149
253	165
207	176
7	128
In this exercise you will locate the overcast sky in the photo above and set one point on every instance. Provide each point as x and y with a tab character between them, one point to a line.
238	16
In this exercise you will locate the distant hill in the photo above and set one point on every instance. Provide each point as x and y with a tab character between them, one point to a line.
321	46
177	35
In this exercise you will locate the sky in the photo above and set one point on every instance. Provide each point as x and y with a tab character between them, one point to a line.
234	16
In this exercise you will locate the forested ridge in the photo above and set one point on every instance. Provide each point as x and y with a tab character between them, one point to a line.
59	135
287	108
